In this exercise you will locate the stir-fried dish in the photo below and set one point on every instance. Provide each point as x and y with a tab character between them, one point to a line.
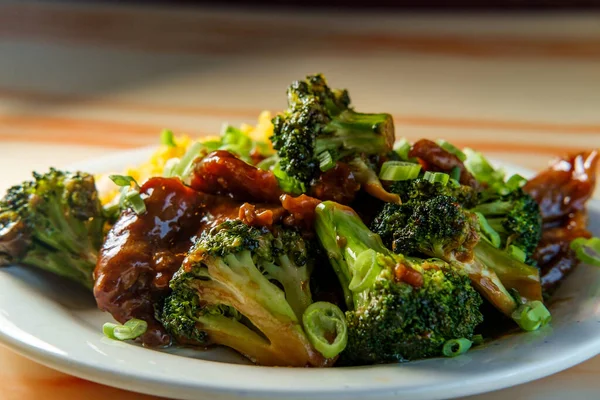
314	238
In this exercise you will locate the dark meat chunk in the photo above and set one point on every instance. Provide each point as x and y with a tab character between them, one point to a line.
562	192
142	252
565	187
436	159
337	184
222	173
257	215
301	210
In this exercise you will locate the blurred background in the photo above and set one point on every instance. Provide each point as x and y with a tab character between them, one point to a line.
519	80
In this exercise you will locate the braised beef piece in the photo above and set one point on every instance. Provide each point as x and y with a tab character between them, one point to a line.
337	184
562	192
222	173
142	252
434	158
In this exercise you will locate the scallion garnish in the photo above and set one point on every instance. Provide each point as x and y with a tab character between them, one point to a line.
450	148
515	182
135	201
326	328
532	316
517	253
489	233
455	174
325	161
456	347
124	181
436	177
587	250
130	193
399	171
167	138
402	147
132	329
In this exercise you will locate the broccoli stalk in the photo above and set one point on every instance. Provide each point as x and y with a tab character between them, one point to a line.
55	223
227	293
319	119
400	308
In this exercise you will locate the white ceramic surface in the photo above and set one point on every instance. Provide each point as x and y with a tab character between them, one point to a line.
56	323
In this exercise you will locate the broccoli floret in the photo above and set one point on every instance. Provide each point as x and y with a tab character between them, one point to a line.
432	222
517	219
400	308
54	222
245	288
423	189
436	226
319	119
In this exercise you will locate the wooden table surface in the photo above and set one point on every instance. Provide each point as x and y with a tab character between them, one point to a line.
80	81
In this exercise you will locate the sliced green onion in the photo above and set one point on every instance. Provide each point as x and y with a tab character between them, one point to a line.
399	171
167	138
325	161
450	148
185	164
366	270
515	182
456	347
123	180
517	253
437	177
326	328
490	234
135	201
587	250
109	330
532	316
132	329
402	148
455	174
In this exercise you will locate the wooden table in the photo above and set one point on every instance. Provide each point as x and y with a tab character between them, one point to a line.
77	82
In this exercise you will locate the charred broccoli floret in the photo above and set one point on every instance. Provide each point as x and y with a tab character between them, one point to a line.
319	127
54	222
248	288
400	308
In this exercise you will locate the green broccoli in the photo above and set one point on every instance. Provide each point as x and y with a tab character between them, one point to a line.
400	308
248	288
433	223
516	218
320	128
54	222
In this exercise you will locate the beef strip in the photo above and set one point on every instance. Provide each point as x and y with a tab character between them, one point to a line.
562	192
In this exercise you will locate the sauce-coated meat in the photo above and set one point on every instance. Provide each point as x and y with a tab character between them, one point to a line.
436	159
142	252
337	184
222	173
562	192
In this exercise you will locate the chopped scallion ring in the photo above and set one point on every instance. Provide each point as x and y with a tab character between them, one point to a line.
517	253
167	138
456	347
587	250
532	316
132	329
402	147
399	171
133	198
490	234
450	148
455	174
437	177
325	161
515	182
326	328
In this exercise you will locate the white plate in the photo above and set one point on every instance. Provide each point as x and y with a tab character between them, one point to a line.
56	323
